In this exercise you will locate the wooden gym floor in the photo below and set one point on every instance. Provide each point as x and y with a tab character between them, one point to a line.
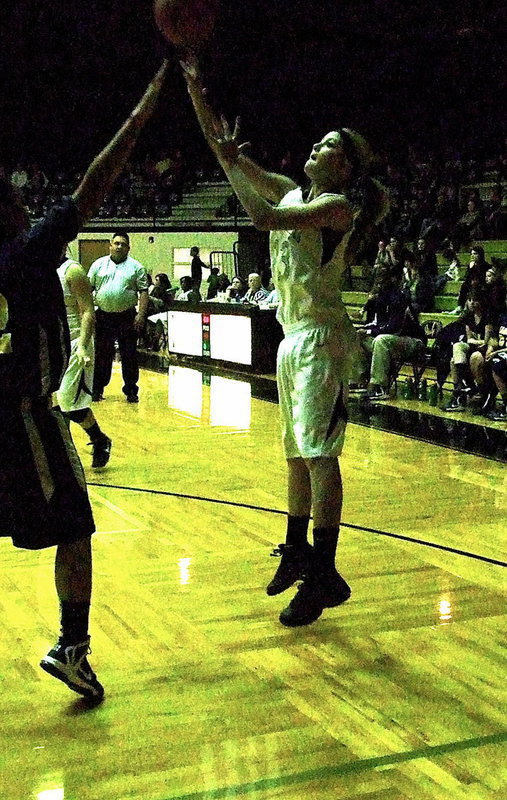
397	695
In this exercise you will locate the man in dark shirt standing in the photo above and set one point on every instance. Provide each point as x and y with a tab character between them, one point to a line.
42	489
196	268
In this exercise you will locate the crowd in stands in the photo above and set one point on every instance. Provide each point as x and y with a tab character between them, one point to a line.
432	211
427	198
147	189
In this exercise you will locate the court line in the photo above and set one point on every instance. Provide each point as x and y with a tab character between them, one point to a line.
377	531
350	768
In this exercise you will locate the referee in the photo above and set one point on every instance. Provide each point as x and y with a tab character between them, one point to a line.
119	283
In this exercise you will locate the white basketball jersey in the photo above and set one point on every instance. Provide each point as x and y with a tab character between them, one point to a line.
308	279
71	306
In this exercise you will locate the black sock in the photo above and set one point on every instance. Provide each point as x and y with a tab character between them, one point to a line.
297	530
95	433
325	541
74	621
464	377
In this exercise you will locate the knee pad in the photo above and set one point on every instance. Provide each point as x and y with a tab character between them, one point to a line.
77	416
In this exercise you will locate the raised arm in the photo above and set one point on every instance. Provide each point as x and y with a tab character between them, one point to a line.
330	210
269	185
107	166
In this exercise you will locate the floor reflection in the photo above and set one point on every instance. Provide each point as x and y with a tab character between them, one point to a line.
50	787
212	399
184	566
51	794
457	434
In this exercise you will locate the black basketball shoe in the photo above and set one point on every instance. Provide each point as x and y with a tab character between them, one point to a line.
69	664
295	562
314	595
101	452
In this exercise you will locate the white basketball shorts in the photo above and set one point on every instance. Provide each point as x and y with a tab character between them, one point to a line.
75	392
313	373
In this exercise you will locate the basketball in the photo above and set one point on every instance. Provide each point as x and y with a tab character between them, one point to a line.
185	23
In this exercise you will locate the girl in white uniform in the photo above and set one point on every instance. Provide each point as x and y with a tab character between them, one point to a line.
75	390
313	238
74	396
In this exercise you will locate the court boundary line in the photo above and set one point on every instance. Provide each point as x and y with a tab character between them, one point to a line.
400	536
338	771
432	442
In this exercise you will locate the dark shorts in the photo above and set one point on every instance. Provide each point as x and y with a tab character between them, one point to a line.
43	497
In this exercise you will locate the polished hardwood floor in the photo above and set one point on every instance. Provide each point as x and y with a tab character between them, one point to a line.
397	695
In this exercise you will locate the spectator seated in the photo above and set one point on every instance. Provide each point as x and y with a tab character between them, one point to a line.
392	336
497	363
417	285
236	290
469	352
187	291
256	292
161	294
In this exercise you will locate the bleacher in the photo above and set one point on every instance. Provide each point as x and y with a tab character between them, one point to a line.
444	304
206	205
356	297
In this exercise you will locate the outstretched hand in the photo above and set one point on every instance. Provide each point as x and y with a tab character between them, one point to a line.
190	67
225	142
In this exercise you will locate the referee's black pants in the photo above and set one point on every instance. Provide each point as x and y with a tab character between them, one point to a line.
111	327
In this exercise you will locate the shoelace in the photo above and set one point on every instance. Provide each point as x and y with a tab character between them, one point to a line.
75	647
86	670
71	649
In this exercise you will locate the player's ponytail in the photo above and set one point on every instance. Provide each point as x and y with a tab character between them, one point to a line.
366	194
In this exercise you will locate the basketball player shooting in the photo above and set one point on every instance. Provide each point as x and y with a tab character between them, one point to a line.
314	233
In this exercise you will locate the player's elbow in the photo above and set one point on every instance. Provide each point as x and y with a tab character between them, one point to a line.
264	220
85	205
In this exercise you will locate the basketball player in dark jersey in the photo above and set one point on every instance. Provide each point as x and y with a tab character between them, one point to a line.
43	495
